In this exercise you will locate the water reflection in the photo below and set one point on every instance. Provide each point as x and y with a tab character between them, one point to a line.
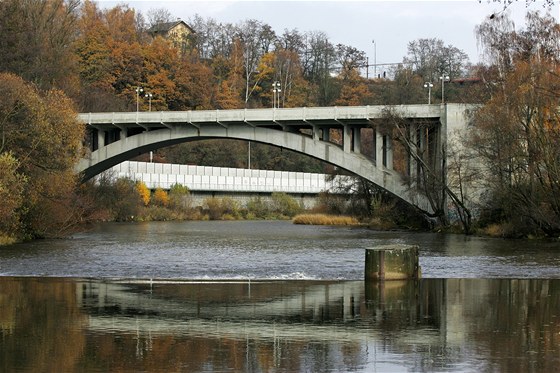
279	326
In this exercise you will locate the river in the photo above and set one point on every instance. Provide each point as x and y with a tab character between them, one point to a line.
274	297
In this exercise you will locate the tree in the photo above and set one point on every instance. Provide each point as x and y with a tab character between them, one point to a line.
160	198
430	59
256	40
283	66
319	64
159	15
41	132
354	91
12	185
517	135
36	41
517	132
143	192
179	197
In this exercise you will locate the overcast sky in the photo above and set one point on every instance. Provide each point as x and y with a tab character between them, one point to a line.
392	24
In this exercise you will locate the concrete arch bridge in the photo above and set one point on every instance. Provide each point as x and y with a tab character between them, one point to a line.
117	137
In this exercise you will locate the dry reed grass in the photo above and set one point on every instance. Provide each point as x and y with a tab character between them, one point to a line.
324	219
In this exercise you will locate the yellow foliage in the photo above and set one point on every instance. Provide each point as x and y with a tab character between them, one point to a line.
160	197
144	192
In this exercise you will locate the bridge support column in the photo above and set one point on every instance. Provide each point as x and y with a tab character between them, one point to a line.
327	134
357	139
388	151
100	139
379	153
383	150
316	133
347	138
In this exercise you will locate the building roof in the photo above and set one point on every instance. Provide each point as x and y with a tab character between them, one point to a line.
163	28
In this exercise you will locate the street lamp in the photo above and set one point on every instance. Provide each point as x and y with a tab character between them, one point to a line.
374	59
276	94
429	85
149	96
138	91
443	78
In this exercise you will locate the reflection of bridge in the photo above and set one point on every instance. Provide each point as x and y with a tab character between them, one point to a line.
269	310
116	137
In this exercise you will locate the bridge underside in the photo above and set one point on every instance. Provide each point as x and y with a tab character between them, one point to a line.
115	141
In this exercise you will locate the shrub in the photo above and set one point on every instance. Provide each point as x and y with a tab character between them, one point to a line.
285	205
257	208
160	198
127	199
179	197
219	207
331	204
143	192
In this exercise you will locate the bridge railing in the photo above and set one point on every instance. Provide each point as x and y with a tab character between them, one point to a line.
258	115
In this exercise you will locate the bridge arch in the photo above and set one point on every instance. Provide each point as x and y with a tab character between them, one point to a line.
303	130
129	147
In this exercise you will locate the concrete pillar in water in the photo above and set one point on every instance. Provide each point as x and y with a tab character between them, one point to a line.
392	262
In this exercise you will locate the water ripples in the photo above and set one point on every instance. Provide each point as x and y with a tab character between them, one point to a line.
266	250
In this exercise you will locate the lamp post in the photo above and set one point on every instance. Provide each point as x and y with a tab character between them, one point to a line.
138	91
276	94
149	96
249	155
443	78
429	85
374	59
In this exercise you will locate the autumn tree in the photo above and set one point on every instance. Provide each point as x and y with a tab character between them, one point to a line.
283	66
144	193
110	56
36	42
160	198
517	132
354	90
228	75
41	133
256	39
12	186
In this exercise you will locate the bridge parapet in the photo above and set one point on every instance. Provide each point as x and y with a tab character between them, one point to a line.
326	115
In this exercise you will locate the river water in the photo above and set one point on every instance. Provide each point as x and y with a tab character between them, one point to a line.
274	297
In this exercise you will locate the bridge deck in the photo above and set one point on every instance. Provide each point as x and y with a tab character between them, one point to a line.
360	116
